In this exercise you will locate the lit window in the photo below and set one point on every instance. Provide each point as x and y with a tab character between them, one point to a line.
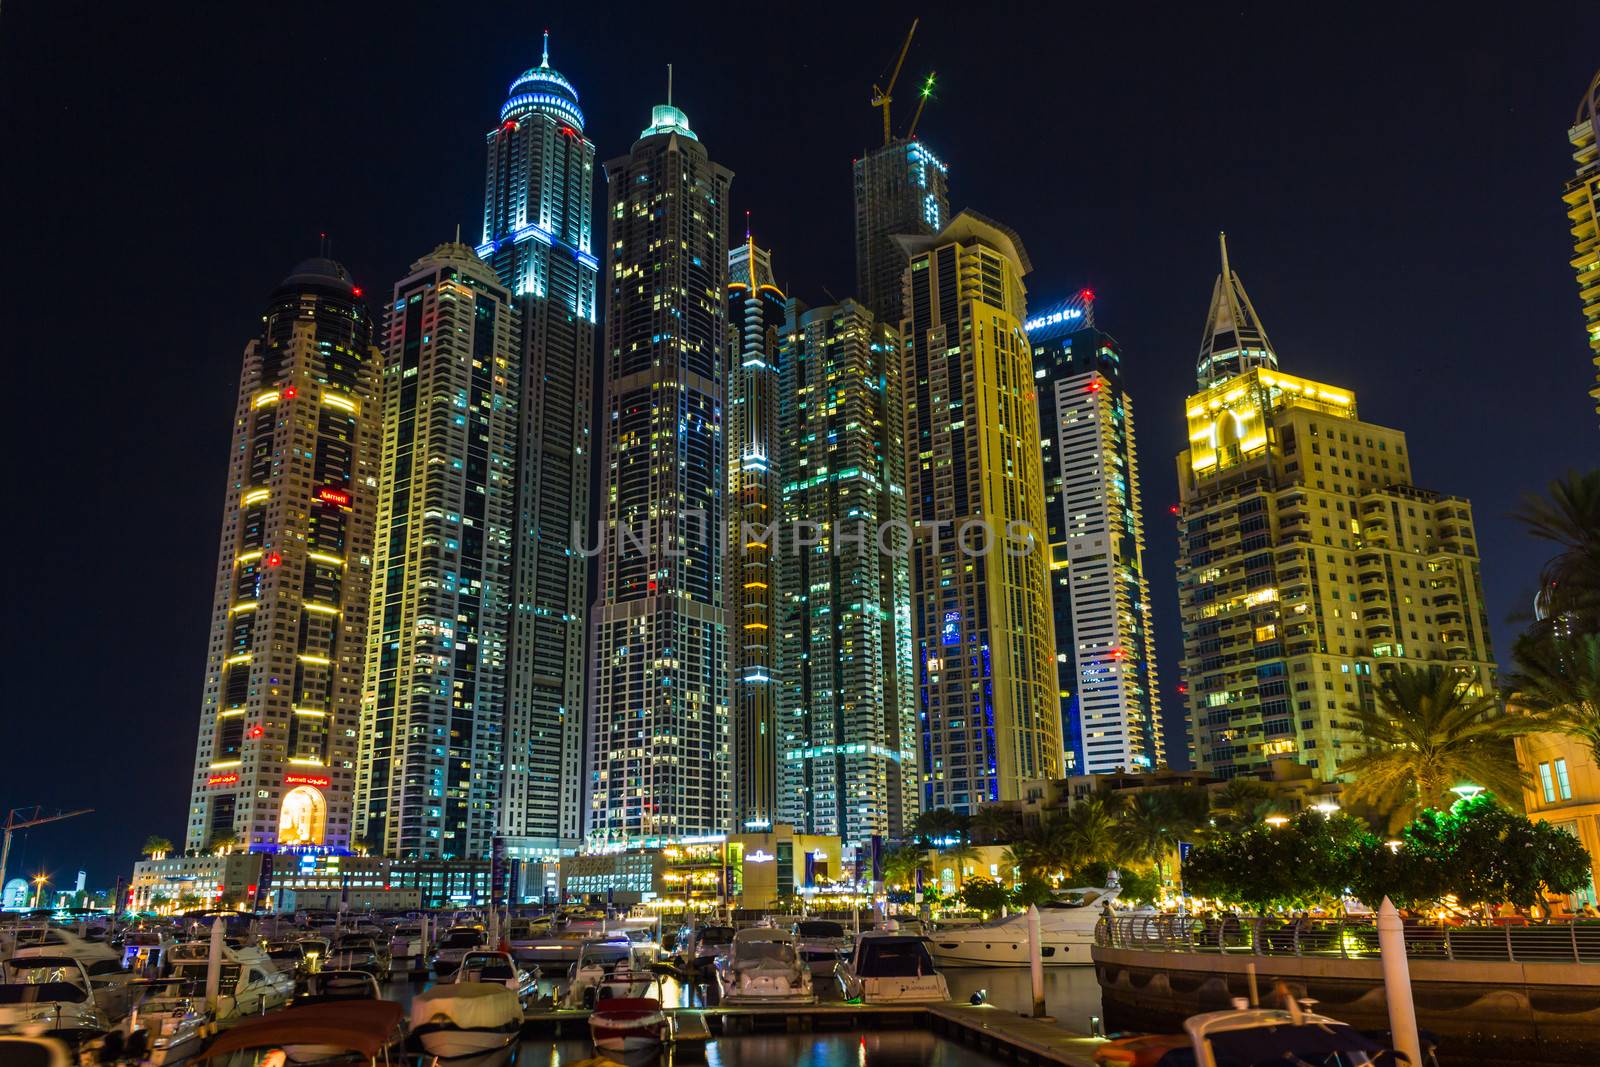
1563	783
1547	783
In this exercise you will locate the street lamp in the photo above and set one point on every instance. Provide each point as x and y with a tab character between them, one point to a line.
1466	790
1327	806
39	882
1276	821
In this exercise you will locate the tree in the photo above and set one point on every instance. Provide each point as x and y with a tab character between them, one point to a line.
1481	853
1307	861
959	856
1031	889
1152	825
900	866
156	847
1428	733
992	824
1238	805
223	841
937	824
984	895
1088	832
1559	678
1569	586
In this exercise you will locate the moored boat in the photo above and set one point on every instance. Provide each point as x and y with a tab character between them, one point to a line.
348	1031
822	944
762	967
628	1024
49	995
891	968
465	1018
1066	933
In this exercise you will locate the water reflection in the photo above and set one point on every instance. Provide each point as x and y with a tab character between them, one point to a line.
908	1048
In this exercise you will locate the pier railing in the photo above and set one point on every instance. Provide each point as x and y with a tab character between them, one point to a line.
1556	941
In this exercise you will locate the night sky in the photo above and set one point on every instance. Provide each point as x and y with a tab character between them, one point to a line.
1390	182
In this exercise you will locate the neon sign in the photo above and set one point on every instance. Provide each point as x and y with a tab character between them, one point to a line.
330	495
759	856
222	779
321	781
1054	318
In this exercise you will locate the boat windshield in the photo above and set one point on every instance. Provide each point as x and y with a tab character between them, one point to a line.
606	955
894	957
818	928
1262	1046
715	935
753	952
461	940
41	971
489	966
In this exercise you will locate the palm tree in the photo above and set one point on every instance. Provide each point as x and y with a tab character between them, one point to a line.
1086	834
1569	586
901	865
993	824
937	823
156	847
223	841
1428	733
959	857
1238	804
1152	825
1560	679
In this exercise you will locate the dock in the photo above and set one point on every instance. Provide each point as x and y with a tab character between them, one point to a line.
995	1031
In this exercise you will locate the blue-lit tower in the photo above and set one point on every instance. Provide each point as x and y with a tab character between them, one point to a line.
537	217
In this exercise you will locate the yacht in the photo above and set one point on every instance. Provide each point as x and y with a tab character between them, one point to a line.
456	943
49	995
1066	930
608	969
498	967
408	951
886	967
249	983
171	1011
465	1018
628	1024
762	967
109	979
822	944
360	952
1254	1036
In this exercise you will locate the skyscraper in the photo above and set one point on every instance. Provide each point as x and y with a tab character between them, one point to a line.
848	741
755	473
433	734
1582	197
1105	649
275	761
900	188
658	737
984	640
1308	560
537	218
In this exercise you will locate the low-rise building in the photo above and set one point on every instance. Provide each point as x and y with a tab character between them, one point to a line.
1563	788
306	880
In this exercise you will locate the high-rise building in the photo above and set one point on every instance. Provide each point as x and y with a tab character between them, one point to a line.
984	647
1105	648
658	722
1308	560
755	472
433	732
537	220
275	761
1582	198
848	741
900	188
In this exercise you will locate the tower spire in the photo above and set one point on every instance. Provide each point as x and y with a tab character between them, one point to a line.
1234	340
544	60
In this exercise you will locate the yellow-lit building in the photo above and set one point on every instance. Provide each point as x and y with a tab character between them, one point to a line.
982	626
1563	788
1582	195
1308	560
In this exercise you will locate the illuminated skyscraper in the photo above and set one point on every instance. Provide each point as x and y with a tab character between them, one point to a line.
1307	560
900	188
755	475
537	217
1582	198
658	729
433	734
984	640
275	762
1105	648
848	740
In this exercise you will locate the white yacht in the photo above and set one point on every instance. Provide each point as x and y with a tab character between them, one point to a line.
1066	931
762	967
455	944
886	967
465	1018
500	968
249	983
49	995
171	1012
822	944
608	970
109	980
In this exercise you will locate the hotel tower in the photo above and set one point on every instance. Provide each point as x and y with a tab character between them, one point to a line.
275	761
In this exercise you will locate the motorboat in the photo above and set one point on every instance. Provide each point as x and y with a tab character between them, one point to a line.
710	941
144	952
763	967
360	952
288	957
465	1018
886	967
329	985
49	995
1253	1037
608	969
109	978
408	949
498	967
248	985
455	944
628	1024
822	944
317	949
171	1012
1066	932
365	1031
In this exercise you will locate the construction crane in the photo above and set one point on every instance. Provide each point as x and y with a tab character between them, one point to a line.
34	816
922	101
881	97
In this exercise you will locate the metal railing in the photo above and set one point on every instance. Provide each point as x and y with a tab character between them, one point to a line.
1556	941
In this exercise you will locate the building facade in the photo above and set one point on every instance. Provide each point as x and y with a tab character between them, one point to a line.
847	720
1582	198
658	721
984	647
1562	787
1105	646
900	188
433	733
537	225
1308	561
275	760
755	466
